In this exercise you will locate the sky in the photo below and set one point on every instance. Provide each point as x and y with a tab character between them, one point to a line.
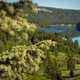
67	4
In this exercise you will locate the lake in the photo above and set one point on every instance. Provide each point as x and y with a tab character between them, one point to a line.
59	29
76	38
55	28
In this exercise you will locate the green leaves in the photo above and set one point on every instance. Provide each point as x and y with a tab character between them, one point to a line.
20	60
15	31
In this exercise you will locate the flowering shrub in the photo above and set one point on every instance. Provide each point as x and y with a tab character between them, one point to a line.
15	31
20	61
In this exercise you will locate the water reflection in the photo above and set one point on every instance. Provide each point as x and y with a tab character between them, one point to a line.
76	38
54	29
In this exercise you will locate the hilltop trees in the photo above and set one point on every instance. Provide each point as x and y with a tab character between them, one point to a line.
21	8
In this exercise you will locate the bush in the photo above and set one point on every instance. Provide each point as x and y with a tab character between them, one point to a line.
20	61
15	32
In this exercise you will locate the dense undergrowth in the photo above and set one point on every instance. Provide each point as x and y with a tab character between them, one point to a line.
26	54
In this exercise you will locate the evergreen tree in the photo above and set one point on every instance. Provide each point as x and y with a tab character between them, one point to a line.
71	62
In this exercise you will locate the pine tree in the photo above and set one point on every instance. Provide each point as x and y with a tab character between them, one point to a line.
71	62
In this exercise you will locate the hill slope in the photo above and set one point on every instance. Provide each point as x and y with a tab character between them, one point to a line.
50	16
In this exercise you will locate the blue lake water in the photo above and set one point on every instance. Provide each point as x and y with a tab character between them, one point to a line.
76	38
59	30
53	30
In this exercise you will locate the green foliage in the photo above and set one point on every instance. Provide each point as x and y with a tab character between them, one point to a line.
37	77
52	68
19	61
29	5
22	62
43	59
15	31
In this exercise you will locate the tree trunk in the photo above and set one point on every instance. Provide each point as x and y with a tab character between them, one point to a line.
71	73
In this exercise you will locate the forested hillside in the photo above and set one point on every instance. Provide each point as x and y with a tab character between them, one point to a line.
51	16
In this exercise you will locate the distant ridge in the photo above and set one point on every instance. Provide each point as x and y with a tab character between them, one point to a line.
58	8
50	16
